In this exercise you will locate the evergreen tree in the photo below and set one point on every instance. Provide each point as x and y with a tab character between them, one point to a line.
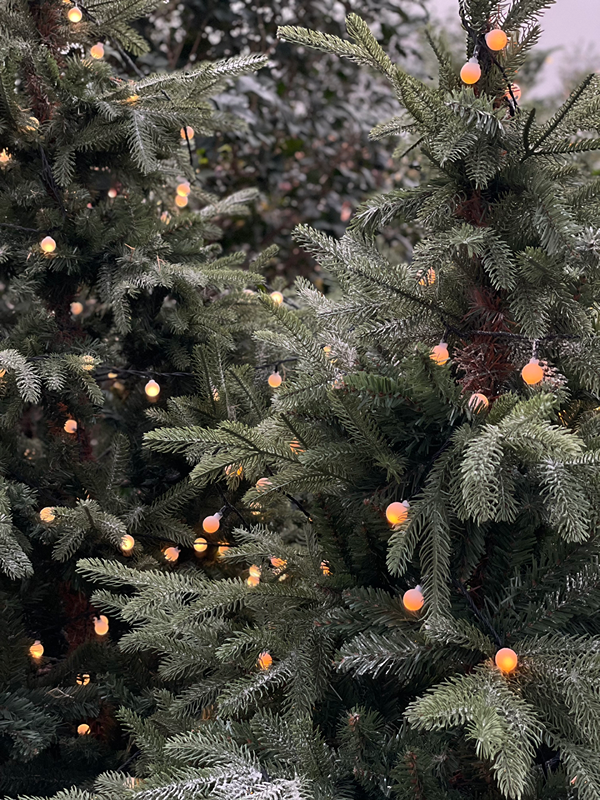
109	285
409	610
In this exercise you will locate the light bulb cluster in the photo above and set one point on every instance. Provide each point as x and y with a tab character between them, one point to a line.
495	40
182	193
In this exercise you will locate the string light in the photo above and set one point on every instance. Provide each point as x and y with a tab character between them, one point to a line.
48	244
181	202
112	375
274	380
5	157
277	298
278	563
506	659
471	72
70	426
212	523
265	660
428	279
440	353
478	402
496	39
83	679
74	14
255	571
172	554
183	189
97	51
200	545
47	514
325	568
83	729
127	543
133	98
152	389
532	373
397	513
112	192
187	130
88	363
413	599
252	580
222	550
101	625
37	649
76	308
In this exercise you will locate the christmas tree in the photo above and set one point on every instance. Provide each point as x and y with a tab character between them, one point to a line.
115	293
401	599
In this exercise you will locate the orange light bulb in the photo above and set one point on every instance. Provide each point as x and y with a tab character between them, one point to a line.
325	568
183	189
70	426
83	729
265	660
4	157
187	130
428	279
274	380
152	389
211	524
76	308
200	544
506	659
263	484
296	447
97	51
255	571
87	363
277	298
74	14
47	514
496	39
101	625
48	244
252	580
532	373
397	513
83	679
127	543
37	649
222	550
278	563
516	90
440	353
181	202
172	554
413	599
471	72
112	375
478	402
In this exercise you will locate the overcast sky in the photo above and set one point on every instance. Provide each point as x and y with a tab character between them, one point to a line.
572	24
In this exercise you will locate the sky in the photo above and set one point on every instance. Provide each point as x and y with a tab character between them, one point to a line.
572	25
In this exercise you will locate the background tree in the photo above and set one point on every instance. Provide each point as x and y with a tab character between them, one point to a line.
109	286
418	617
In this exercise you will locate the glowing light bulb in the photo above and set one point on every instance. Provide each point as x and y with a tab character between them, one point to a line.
440	353
327	350
478	402
133	98
428	279
278	563
88	363
212	523
83	679
397	513
265	660
496	39
277	298
252	580
47	514
274	380
413	599
183	189
506	659
325	568
296	447
187	130
48	244
97	51
70	426
255	571
200	544
471	72
127	543
516	90
112	193
152	389
101	625
76	308
172	554
74	14
112	375
263	484
532	373
222	550
83	729
4	157
181	202
37	649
